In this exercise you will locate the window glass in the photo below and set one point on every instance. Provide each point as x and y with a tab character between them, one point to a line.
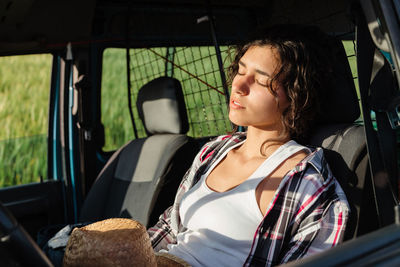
114	101
195	67
24	96
349	47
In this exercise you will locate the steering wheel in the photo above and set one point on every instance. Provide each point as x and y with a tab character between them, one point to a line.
19	242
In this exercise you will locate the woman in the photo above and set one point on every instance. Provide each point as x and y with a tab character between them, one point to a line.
259	197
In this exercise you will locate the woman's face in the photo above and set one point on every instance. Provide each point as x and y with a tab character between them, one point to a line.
252	103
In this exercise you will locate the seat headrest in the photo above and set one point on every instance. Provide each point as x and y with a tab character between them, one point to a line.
161	107
339	104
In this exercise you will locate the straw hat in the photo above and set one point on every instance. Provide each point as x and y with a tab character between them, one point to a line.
115	242
112	242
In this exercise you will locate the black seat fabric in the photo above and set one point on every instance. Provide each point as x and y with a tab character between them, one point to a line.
141	178
346	152
343	140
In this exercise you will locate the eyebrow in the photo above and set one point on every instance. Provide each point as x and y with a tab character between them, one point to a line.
257	70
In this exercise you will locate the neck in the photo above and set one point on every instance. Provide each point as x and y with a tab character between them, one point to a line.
258	139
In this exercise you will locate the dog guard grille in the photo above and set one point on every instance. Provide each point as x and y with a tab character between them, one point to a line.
197	70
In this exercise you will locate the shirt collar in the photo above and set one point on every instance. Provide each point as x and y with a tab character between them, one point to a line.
315	158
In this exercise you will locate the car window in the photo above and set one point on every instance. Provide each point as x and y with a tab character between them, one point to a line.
195	67
349	47
24	97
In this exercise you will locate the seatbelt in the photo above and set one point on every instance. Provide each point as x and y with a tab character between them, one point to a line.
382	92
383	163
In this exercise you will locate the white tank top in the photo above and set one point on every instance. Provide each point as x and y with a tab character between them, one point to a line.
221	225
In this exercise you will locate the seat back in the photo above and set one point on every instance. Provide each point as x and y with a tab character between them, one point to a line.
343	140
140	179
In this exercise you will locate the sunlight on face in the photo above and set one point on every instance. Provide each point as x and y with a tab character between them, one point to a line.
252	102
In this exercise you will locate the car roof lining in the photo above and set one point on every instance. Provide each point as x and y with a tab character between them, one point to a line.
33	26
30	25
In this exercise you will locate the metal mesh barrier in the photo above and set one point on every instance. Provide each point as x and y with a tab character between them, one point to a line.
144	66
206	105
197	70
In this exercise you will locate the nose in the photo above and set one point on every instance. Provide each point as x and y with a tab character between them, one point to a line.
241	84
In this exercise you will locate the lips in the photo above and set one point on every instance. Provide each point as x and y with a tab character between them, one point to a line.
235	105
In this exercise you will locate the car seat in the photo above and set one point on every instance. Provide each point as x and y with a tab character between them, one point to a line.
344	143
140	179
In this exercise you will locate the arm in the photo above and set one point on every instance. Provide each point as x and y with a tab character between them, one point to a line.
323	228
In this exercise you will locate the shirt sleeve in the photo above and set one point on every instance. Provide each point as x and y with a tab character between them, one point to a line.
162	234
323	228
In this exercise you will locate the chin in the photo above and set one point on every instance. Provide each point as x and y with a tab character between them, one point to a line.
236	121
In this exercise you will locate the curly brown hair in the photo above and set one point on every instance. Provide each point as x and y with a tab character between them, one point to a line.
305	72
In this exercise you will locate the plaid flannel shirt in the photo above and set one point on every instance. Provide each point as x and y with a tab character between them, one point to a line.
307	214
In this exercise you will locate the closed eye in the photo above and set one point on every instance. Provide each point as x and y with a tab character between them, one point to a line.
241	69
263	83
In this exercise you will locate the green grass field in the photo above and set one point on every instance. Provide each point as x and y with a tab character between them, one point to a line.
24	97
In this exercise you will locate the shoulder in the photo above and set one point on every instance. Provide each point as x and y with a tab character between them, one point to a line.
316	167
220	144
315	181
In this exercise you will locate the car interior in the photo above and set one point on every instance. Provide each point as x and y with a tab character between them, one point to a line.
174	56
140	179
